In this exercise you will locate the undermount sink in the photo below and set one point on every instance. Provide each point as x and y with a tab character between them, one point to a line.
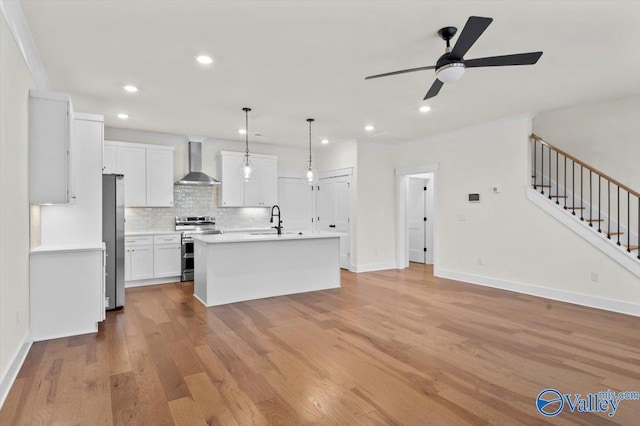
271	233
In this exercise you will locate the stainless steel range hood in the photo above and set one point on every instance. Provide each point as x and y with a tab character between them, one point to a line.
195	175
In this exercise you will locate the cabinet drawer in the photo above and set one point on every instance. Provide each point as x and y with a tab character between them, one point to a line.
138	241
167	239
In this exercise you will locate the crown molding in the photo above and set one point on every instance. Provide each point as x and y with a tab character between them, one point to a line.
17	23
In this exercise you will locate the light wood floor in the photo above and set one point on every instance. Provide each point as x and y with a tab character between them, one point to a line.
392	347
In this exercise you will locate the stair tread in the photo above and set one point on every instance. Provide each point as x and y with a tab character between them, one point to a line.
631	247
614	233
594	220
574	208
539	185
559	196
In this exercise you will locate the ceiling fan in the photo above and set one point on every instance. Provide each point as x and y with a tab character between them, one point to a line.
450	66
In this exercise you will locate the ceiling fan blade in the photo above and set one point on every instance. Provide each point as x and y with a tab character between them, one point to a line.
472	30
432	67
435	88
505	60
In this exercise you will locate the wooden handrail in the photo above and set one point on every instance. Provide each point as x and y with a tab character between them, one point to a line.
582	163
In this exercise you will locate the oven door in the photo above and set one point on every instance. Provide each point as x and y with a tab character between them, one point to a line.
187	258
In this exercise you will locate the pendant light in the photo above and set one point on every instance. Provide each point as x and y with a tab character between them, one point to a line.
246	170
310	174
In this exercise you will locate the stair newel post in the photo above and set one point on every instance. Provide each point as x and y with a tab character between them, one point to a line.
565	182
618	213
599	200
573	187
549	148
535	173
608	209
557	180
542	168
581	197
590	198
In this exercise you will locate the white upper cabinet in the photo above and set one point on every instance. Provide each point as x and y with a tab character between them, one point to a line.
50	148
261	191
147	170
159	178
131	162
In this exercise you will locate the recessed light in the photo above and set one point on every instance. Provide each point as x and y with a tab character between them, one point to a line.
123	116
242	131
130	88
204	59
424	109
324	141
369	128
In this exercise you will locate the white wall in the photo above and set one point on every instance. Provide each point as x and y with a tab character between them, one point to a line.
15	82
605	135
376	215
516	241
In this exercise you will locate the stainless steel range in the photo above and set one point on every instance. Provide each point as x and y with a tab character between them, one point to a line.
190	226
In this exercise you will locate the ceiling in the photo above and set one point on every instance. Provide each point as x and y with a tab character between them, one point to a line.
290	60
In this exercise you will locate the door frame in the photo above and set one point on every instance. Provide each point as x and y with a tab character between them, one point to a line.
402	224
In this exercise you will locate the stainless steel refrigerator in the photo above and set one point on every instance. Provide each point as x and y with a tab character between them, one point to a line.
113	236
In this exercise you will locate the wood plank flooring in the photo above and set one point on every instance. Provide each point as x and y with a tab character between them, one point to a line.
391	347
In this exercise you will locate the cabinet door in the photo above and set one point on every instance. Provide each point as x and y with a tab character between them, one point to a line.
109	159
232	189
127	264
141	263
166	260
268	182
50	168
131	163
159	178
252	196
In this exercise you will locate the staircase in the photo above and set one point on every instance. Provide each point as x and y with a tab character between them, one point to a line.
604	207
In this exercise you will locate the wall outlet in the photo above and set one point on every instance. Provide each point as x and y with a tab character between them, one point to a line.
495	189
595	277
480	261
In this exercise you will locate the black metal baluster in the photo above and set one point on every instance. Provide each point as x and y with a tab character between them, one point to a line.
549	148
590	199
629	222
573	187
535	173
599	208
608	209
618	212
581	197
541	168
565	182
557	181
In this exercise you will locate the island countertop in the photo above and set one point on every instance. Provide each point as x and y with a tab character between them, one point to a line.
261	236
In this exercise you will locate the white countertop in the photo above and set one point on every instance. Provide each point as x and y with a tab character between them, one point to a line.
248	237
65	248
143	233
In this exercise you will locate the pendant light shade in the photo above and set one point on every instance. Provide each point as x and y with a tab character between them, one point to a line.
310	175
246	171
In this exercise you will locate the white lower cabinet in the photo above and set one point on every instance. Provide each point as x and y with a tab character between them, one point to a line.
152	256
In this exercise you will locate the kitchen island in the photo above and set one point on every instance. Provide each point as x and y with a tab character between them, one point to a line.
237	267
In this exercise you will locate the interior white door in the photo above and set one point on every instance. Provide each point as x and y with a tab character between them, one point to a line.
296	204
416	219
334	206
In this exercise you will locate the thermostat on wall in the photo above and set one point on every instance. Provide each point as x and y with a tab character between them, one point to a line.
474	198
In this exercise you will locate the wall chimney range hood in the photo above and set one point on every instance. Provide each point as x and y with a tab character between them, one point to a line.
195	175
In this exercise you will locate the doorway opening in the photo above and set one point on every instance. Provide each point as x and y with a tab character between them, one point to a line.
416	216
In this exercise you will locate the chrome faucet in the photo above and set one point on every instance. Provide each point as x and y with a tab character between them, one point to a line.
279	227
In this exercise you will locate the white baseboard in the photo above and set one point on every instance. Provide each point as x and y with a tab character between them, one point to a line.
371	267
151	281
12	372
545	292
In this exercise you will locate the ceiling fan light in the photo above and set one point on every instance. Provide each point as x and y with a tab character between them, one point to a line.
450	72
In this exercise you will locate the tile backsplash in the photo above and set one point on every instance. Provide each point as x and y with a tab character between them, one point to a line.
194	201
